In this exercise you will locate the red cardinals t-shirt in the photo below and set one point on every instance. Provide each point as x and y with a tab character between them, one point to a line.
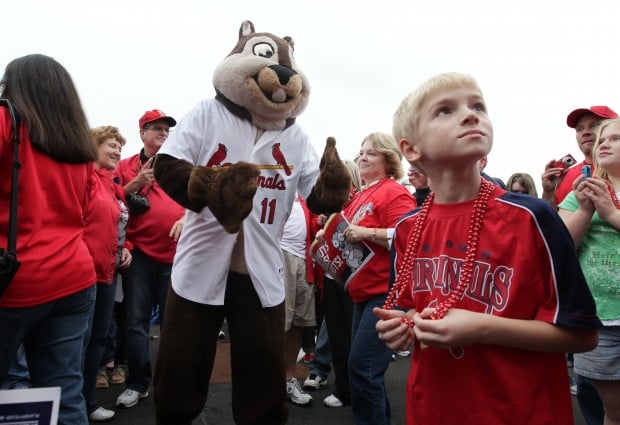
150	231
378	206
526	268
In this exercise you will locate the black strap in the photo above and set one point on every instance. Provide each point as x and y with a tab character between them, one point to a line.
12	241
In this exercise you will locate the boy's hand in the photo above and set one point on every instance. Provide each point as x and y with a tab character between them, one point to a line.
395	334
458	328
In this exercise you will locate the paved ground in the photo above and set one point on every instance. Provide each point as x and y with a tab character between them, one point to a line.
218	408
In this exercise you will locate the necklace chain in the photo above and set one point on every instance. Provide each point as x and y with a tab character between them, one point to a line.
404	275
612	192
364	196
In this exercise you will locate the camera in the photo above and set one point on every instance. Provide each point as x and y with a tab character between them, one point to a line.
565	162
8	268
137	204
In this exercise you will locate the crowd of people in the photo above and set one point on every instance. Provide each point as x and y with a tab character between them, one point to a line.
78	231
487	285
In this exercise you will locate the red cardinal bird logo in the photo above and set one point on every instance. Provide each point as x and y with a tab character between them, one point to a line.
218	156
279	157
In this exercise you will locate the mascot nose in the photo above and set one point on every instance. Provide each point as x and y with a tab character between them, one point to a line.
284	73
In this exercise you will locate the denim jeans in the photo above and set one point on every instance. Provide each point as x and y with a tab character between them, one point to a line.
320	364
590	403
99	326
109	350
145	282
19	375
53	335
338	312
368	360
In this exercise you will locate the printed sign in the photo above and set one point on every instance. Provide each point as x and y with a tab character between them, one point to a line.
340	259
32	406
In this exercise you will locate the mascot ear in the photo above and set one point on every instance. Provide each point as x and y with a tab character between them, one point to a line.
290	41
247	28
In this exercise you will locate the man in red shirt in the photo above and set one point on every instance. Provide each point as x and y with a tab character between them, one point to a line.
154	232
558	182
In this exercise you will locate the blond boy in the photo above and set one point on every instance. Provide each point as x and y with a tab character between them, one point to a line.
490	278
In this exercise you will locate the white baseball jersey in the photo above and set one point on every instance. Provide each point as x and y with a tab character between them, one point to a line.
211	135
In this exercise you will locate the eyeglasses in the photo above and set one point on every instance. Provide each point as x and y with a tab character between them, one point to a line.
159	128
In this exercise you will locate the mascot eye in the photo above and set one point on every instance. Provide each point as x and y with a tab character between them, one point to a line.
263	49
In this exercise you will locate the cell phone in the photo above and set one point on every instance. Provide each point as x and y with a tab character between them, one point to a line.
586	170
565	162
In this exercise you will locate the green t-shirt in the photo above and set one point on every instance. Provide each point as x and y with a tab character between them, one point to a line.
599	257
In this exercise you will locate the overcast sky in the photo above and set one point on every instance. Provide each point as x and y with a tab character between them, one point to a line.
534	60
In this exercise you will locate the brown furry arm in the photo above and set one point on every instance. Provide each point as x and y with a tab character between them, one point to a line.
226	191
333	187
172	175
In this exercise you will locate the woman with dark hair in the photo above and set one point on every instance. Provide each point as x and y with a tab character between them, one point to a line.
48	303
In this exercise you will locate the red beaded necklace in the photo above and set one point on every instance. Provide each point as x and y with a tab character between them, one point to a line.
404	275
612	192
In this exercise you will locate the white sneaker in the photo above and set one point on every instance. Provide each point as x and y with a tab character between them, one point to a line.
130	398
296	394
332	401
101	415
573	389
314	382
572	385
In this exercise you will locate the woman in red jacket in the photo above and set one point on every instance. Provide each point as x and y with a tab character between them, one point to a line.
49	301
106	220
372	214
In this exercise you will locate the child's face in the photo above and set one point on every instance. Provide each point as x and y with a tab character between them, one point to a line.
608	150
453	128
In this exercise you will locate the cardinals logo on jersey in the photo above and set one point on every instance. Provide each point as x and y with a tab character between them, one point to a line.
219	156
279	157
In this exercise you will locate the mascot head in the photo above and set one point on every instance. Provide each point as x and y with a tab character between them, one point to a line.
259	80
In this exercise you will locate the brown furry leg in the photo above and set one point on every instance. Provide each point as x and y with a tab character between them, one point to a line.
257	355
185	359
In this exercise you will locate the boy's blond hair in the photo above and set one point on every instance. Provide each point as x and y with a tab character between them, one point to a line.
385	144
407	116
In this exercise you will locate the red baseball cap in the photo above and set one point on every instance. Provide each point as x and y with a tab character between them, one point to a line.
604	112
154	115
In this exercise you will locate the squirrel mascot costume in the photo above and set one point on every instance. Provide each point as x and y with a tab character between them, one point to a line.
235	163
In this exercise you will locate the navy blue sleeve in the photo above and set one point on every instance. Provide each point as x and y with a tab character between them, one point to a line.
577	307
